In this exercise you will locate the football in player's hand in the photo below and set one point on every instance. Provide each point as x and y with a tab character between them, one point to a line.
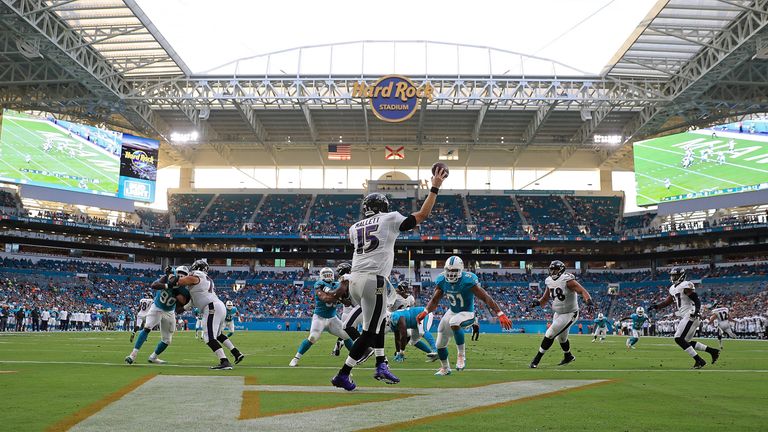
437	165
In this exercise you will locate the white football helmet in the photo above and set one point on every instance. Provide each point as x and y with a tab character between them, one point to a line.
640	311
326	274
453	268
182	271
600	316
229	304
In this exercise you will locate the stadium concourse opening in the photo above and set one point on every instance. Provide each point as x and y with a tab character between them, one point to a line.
449	228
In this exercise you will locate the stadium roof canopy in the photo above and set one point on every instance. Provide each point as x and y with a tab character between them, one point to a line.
512	81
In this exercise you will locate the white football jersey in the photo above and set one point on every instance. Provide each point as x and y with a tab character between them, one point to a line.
564	300
684	303
144	304
374	242
722	314
202	293
402	303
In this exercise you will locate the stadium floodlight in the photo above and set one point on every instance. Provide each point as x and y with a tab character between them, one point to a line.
608	139
184	137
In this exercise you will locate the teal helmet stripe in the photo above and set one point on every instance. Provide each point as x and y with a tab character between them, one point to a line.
451	260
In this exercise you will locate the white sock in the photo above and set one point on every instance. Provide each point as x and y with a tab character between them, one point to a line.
700	346
298	355
378	352
350	362
229	345
691	352
446	364
460	349
220	354
152	356
134	353
542	350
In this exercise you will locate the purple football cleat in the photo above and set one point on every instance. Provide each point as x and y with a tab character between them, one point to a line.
343	381
383	374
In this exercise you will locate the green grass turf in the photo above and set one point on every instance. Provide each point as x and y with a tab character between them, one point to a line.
658	159
654	387
23	136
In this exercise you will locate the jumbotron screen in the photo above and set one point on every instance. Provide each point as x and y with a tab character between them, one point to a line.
725	159
44	151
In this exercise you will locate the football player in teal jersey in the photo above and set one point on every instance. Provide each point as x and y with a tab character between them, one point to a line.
166	302
601	327
324	317
638	319
460	288
229	319
407	329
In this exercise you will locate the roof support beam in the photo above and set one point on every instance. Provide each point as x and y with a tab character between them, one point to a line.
422	114
365	122
541	116
248	114
310	121
479	122
587	129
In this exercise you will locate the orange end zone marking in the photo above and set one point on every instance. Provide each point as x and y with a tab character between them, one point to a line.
251	380
425	420
251	405
82	414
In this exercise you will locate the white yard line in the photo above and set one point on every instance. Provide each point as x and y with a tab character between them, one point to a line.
395	369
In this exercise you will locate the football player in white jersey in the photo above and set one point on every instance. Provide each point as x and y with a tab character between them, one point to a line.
723	317
141	316
403	298
683	294
563	288
351	314
201	288
373	239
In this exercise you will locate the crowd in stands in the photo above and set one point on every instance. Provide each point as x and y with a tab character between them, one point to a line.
447	217
547	215
489	215
187	207
334	214
276	293
228	214
597	215
7	199
494	215
281	214
152	220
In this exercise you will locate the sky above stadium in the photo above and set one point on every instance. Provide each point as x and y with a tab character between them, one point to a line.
582	35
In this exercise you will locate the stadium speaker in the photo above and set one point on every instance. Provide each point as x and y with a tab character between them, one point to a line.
204	113
586	115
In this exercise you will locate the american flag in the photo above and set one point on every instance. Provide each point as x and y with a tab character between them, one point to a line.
339	152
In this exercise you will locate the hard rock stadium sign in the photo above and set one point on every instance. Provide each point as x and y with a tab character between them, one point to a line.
393	98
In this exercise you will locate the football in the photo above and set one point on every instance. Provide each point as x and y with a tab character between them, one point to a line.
437	165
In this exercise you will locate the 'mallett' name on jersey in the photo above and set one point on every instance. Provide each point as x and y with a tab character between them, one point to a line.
370	221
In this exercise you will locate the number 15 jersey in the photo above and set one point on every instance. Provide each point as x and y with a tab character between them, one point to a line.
563	299
459	294
374	242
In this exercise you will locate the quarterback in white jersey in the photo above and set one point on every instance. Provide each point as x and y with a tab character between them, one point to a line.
373	239
723	317
683	294
201	288
351	314
563	289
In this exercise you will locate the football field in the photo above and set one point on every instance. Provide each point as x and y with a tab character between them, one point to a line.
78	381
659	160
38	152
